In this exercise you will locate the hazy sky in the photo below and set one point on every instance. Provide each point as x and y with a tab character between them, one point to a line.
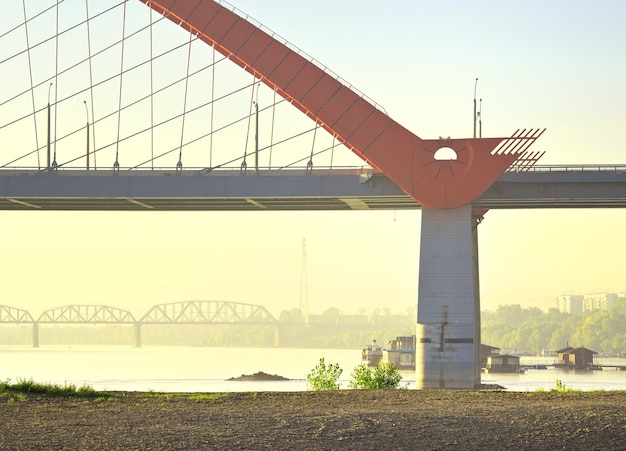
558	65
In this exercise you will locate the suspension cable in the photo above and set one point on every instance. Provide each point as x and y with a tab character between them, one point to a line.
53	37
115	44
260	150
309	165
56	85
26	21
93	114
151	90
107	116
164	122
212	109
319	152
121	108
165	153
113	77
116	165
244	165
224	127
272	128
278	143
32	91
179	165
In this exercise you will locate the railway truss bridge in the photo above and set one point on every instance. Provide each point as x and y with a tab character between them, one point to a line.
178	313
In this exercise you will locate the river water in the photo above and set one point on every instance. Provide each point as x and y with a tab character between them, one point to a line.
205	369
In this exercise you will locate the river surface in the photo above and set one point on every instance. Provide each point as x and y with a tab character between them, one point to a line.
205	369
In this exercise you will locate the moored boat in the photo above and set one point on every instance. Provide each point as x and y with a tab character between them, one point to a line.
372	354
401	353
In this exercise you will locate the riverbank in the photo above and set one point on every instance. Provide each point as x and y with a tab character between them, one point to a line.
346	419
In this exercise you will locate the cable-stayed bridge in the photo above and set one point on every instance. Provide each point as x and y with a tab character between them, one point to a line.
196	106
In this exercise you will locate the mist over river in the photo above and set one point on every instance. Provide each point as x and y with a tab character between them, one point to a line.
206	369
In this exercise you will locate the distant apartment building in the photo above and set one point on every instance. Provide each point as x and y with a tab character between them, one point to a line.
577	304
570	303
599	301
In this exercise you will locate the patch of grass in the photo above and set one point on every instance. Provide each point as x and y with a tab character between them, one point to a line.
156	394
23	386
207	396
562	388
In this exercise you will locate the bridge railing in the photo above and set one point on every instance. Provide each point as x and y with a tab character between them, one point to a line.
189	171
291	170
571	168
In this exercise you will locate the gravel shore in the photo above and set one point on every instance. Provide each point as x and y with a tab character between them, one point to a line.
346	419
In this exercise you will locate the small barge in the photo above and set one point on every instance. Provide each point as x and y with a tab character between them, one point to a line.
372	354
401	353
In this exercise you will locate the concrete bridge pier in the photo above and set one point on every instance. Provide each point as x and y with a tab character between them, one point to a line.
448	308
35	335
137	334
276	335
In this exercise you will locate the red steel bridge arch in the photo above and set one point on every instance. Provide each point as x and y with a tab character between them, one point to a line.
404	157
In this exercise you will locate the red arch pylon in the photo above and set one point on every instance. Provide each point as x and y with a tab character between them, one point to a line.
401	155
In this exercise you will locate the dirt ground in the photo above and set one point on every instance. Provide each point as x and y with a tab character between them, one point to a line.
346	419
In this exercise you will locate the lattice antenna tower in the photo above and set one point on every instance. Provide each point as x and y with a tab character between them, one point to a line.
304	290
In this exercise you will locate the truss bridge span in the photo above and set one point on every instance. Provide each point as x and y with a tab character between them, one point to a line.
177	313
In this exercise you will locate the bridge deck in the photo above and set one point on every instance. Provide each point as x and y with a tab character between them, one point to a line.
293	189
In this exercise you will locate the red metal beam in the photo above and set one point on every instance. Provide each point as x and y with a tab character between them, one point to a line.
401	155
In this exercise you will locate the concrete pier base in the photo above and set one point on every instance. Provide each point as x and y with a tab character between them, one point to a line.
137	334
448	308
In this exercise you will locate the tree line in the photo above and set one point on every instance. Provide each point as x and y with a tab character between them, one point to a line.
532	330
509	327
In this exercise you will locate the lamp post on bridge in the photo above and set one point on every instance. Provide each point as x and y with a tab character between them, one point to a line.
48	141
87	127
256	137
256	130
480	119
475	83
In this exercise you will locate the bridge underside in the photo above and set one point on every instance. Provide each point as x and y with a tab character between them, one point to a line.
288	190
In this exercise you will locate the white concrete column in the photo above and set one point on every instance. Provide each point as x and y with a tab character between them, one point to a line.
448	307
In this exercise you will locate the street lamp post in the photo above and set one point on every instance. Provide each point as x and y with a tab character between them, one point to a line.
256	137
87	143
49	120
475	83
480	119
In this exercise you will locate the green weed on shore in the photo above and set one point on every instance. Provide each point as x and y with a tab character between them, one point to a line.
25	386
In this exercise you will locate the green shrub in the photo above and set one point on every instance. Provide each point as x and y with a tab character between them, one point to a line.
384	375
324	377
561	387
